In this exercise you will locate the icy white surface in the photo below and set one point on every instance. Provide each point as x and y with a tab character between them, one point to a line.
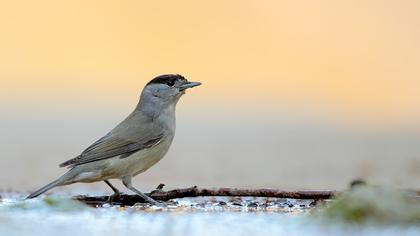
36	217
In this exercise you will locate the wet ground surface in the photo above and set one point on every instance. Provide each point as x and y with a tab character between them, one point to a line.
224	204
188	216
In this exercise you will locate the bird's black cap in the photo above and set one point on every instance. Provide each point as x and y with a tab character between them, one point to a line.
166	79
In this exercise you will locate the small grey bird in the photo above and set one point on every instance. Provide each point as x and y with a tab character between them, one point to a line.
134	145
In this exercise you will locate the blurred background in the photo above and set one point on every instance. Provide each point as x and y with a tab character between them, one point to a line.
296	94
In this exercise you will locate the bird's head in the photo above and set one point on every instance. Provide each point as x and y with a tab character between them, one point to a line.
165	90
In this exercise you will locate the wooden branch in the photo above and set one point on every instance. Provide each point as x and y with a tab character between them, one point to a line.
161	195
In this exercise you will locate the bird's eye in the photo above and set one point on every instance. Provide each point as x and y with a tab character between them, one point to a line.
170	83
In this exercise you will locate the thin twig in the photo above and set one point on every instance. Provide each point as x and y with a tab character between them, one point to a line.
161	195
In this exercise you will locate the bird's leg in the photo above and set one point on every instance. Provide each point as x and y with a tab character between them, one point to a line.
127	183
116	191
116	194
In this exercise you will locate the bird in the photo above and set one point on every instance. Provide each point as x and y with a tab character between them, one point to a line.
134	145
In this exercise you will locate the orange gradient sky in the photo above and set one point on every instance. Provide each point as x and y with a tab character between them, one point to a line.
352	60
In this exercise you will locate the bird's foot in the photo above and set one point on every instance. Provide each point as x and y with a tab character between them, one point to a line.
155	202
114	197
161	204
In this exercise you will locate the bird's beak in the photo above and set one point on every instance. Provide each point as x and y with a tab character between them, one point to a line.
189	85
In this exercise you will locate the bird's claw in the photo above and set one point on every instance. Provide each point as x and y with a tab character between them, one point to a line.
161	204
154	202
113	197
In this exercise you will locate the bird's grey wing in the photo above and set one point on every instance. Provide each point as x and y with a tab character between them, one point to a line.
126	138
110	148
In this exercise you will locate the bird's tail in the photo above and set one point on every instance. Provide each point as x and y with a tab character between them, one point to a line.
47	187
